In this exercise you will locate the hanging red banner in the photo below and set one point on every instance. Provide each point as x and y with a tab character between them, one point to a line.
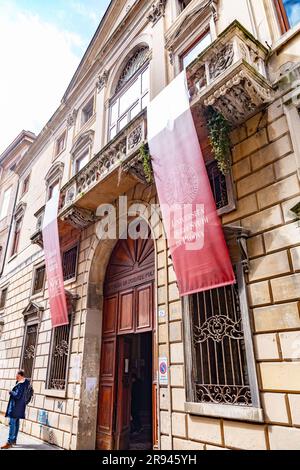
195	236
57	296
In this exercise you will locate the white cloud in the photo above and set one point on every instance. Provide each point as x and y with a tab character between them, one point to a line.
37	63
82	9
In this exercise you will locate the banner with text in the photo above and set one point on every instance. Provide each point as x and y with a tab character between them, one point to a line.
57	297
195	236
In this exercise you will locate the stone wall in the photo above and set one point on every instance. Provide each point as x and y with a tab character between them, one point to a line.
267	187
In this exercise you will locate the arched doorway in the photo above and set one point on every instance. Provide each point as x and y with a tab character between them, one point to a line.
126	368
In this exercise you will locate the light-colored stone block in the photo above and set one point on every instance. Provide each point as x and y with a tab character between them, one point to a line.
165	443
277	317
277	192
274	405
278	128
244	436
204	430
162	333
259	293
178	399
290	345
271	153
285	166
179	425
264	220
255	181
284	438
246	206
177	376
241	169
266	347
175	331
280	376
255	246
250	145
269	266
294	401
165	422
283	237
175	310
180	444
177	354
295	254
286	288
164	400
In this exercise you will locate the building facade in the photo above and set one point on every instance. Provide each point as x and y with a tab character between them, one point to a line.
218	370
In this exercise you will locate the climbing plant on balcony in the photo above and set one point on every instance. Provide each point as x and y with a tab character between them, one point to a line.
147	165
219	136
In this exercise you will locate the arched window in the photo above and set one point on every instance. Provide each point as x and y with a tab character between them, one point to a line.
131	93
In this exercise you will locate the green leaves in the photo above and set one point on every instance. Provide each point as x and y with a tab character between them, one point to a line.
219	130
147	166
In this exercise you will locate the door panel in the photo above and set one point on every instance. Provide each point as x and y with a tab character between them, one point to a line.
144	308
126	312
111	315
108	358
123	394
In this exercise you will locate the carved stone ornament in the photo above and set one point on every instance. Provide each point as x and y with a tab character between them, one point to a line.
71	119
102	81
33	312
37	239
78	217
157	11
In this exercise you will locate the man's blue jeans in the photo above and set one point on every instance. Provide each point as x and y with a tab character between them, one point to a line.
14	424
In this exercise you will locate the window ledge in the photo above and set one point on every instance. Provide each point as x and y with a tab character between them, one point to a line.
234	412
283	40
55	393
12	257
85	126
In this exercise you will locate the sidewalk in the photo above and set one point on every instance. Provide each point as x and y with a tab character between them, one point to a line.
25	442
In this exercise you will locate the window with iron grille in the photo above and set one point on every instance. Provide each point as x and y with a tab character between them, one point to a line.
69	262
59	358
220	374
29	350
220	362
39	279
3	297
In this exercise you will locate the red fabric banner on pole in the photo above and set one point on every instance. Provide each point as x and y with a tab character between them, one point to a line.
57	296
195	236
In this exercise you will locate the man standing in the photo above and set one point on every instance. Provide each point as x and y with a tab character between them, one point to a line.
16	407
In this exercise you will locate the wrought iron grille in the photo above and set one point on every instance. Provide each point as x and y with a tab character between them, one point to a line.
39	280
69	262
29	350
218	185
220	368
59	358
3	297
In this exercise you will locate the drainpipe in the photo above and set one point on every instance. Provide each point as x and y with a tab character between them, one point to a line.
10	228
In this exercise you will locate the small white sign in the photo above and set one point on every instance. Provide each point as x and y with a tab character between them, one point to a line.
163	371
161	313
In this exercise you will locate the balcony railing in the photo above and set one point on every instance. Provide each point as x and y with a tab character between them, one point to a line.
119	155
230	75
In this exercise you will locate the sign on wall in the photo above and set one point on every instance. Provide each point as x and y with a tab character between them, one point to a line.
163	371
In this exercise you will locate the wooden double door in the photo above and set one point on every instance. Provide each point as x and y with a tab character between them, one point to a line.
127	311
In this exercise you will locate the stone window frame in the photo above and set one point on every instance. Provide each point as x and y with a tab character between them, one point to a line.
291	107
32	315
62	136
282	16
178	37
83	144
69	247
231	206
4	288
25	184
90	100
49	392
41	293
252	413
54	175
15	240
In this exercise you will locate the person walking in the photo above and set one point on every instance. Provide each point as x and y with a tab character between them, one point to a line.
20	396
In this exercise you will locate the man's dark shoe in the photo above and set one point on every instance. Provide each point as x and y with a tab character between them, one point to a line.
6	446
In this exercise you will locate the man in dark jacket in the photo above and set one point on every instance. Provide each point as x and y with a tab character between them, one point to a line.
16	408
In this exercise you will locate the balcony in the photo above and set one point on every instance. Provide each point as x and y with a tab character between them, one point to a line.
113	171
230	75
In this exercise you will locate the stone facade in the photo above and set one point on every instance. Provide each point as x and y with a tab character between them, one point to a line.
265	173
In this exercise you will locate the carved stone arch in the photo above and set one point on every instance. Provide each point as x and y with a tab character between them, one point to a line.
33	313
137	57
84	140
55	171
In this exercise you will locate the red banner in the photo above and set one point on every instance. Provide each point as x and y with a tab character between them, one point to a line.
57	297
195	236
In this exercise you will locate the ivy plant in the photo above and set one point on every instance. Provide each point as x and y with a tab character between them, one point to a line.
147	165
219	130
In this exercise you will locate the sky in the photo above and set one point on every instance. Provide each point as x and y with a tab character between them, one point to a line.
41	45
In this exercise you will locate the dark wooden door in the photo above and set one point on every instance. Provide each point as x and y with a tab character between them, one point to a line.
123	402
128	309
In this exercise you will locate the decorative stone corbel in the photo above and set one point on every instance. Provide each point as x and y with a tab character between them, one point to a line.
157	11
71	119
102	81
78	217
